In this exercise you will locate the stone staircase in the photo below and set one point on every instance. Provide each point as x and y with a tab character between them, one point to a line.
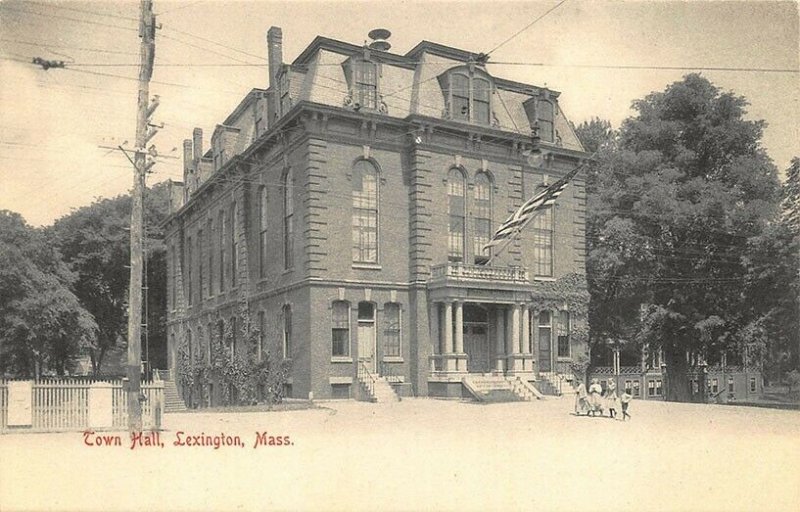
554	384
498	388
172	399
374	388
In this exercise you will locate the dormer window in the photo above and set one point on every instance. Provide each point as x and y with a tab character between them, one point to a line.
541	113
362	80
468	95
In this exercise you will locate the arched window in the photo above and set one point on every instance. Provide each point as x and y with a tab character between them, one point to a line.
456	200
482	196
340	329
262	241
468	94
365	212
288	219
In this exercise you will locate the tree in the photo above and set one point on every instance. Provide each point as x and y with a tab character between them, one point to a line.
772	287
95	242
42	324
677	199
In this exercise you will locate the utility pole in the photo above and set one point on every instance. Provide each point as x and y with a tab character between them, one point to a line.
147	27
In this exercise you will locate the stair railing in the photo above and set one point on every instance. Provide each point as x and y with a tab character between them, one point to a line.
366	377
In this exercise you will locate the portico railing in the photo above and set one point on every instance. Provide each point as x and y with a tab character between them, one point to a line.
464	272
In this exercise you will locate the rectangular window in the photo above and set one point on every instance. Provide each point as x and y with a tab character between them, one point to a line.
480	100
636	390
189	250
658	387
629	387
340	329
233	337
563	334
542	231
262	330
173	296
223	240
366	93
752	384
210	250
651	388
544	114
714	385
459	92
200	282
545	333
695	386
482	216
262	243
288	220
287	332
391	333
234	244
730	384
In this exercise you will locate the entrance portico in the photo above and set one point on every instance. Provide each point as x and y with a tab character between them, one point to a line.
488	306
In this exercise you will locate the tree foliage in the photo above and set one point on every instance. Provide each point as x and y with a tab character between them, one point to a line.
677	201
95	243
42	324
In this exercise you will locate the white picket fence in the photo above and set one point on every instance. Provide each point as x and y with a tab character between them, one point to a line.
63	405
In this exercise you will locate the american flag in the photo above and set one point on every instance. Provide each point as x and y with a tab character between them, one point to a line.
517	220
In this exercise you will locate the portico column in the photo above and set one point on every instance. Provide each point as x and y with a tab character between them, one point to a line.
515	329
448	328
500	329
459	328
526	330
507	313
436	339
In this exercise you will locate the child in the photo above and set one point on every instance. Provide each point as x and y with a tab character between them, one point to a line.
625	399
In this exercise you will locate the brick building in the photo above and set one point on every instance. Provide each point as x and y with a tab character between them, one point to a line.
345	208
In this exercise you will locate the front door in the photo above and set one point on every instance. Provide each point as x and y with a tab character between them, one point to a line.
366	345
476	345
366	335
545	342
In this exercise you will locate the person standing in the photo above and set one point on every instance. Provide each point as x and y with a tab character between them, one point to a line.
595	400
612	398
581	399
626	400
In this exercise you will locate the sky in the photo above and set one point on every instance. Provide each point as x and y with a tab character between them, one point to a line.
209	54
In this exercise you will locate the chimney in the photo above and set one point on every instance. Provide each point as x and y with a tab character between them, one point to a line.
197	136
188	164
274	54
275	60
